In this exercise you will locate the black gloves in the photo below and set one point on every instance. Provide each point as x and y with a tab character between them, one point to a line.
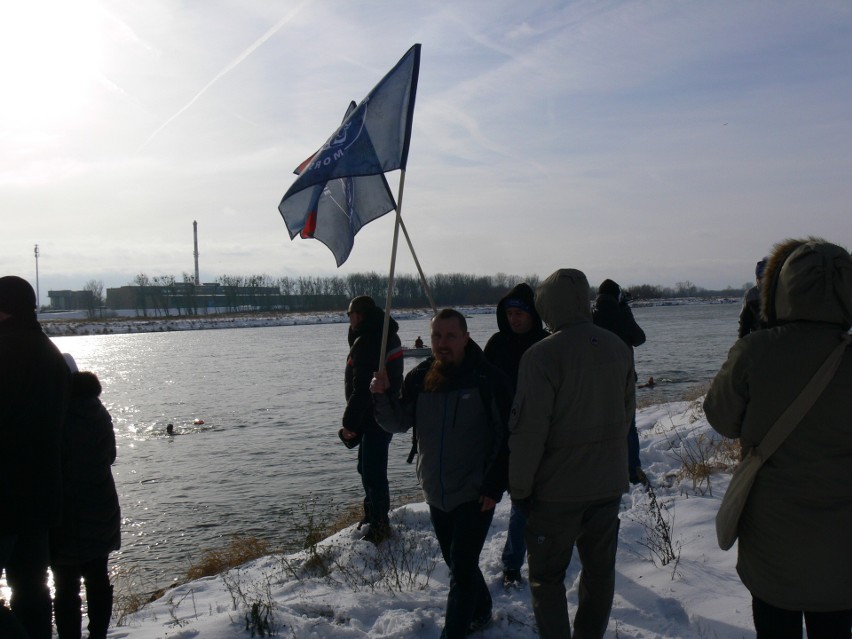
349	443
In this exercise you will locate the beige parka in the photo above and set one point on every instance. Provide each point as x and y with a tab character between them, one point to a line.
574	403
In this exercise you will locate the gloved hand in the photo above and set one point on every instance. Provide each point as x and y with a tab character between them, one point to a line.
349	443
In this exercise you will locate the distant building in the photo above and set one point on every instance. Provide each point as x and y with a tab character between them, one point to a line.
72	300
185	298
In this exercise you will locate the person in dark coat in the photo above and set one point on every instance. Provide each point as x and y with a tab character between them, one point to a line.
34	382
612	312
366	322
750	318
520	327
91	518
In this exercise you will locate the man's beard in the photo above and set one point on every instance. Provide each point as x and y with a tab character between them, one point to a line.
438	374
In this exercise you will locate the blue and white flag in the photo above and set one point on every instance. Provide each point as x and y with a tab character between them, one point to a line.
342	186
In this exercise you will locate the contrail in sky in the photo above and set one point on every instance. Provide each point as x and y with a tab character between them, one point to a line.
275	28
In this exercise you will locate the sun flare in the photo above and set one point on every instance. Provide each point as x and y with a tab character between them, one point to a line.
50	58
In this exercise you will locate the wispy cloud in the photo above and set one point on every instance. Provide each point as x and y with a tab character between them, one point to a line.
230	67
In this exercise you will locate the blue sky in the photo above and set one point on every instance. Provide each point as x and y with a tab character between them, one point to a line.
642	141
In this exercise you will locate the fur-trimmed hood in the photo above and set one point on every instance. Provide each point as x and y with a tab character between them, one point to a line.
808	280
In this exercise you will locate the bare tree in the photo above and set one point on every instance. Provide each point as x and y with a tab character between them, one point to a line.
96	288
95	299
142	282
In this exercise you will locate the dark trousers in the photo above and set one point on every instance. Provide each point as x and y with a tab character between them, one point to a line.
25	557
373	468
66	602
461	534
776	623
515	549
551	533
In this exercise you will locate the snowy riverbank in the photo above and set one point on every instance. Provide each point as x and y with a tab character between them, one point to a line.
347	588
124	325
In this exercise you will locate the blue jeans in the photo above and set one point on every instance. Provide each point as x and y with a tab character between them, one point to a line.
25	557
553	529
515	549
373	468
633	450
461	534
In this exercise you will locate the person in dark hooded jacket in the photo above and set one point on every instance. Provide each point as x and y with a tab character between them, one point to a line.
34	382
612	312
520	327
750	319
91	518
366	322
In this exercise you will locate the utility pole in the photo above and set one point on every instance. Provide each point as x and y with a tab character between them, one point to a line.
38	296
195	236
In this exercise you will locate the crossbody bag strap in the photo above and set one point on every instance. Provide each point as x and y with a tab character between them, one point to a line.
791	417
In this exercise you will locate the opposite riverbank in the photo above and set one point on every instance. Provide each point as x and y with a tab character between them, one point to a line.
74	323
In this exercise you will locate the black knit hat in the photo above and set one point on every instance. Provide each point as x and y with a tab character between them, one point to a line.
608	287
361	304
17	297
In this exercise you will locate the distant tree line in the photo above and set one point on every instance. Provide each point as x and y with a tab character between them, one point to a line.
165	293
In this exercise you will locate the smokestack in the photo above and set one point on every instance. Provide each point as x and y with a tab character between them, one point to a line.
195	237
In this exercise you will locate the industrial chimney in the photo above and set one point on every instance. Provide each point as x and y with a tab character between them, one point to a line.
195	237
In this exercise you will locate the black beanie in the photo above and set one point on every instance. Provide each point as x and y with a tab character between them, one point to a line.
608	287
17	297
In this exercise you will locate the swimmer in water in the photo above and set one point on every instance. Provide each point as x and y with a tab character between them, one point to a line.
170	429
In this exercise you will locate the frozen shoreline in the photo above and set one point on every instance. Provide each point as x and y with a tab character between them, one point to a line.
74	323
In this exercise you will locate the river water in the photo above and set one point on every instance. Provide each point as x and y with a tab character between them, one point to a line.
267	453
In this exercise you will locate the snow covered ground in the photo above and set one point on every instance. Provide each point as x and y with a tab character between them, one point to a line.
347	588
57	325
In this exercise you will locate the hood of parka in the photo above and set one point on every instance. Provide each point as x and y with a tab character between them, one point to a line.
563	299
808	280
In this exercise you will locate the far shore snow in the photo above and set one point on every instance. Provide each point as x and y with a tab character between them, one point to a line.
71	323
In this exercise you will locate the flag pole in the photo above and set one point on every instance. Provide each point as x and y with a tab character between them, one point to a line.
386	325
419	269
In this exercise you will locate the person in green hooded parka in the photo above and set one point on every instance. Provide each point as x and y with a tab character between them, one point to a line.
795	555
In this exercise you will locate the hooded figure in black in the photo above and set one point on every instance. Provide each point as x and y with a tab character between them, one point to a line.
505	348
612	312
34	381
91	518
520	327
366	322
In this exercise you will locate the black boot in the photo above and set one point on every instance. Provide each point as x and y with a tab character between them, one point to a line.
99	601
66	602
